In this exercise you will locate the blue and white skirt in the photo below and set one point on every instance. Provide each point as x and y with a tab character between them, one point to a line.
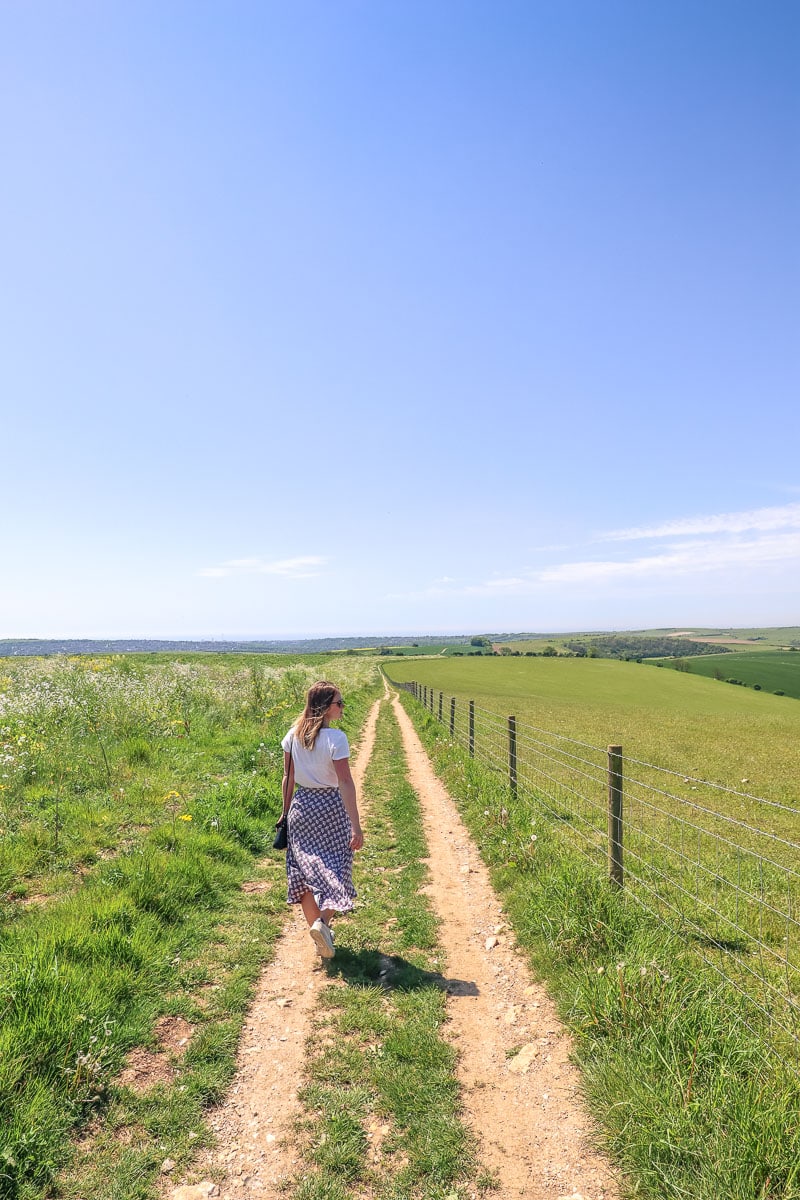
318	857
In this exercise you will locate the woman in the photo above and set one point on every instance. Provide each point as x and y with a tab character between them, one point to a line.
323	826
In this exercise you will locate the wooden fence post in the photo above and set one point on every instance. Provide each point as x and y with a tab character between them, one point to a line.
440	708
472	728
452	716
615	872
425	695
512	755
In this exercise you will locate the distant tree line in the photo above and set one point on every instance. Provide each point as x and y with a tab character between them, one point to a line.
633	648
10	647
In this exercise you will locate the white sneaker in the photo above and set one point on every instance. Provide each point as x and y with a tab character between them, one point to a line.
322	938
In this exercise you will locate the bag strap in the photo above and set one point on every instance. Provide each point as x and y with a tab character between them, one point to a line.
290	777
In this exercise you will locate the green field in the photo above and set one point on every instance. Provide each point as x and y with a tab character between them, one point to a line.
766	670
682	722
778	636
740	640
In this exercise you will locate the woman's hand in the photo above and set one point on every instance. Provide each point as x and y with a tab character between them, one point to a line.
357	840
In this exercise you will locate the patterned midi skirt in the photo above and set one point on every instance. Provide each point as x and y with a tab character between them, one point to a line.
318	856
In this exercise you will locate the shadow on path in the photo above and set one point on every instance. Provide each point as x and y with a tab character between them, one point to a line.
368	968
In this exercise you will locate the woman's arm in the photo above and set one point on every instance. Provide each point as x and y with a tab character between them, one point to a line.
287	784
348	789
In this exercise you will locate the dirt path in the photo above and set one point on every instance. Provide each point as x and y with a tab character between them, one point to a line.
526	1109
252	1125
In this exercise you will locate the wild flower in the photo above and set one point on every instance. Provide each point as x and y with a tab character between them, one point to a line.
48	706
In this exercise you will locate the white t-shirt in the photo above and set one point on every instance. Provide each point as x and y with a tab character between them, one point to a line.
314	768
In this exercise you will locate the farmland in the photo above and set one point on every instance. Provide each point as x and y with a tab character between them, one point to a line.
750	638
765	670
681	722
138	794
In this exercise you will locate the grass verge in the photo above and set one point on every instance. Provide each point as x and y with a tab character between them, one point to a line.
675	1068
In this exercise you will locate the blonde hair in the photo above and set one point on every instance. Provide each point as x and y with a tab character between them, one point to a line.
318	700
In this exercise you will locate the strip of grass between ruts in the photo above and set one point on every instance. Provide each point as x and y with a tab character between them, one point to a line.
381	1098
692	1107
160	929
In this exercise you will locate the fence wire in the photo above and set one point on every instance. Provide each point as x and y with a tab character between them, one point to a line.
724	881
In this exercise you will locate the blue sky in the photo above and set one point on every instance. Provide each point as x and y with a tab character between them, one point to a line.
398	317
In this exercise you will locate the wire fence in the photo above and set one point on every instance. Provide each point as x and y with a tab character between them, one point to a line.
711	862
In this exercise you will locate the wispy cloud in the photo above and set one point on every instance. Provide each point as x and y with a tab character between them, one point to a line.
503	585
731	546
786	516
303	567
695	557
